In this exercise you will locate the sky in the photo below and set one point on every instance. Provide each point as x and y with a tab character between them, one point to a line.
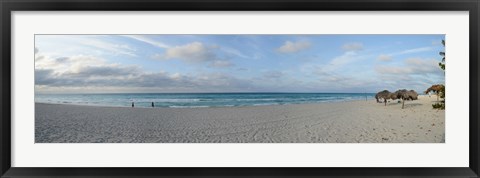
236	63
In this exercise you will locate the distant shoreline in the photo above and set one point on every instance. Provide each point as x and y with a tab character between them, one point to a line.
199	100
227	106
109	106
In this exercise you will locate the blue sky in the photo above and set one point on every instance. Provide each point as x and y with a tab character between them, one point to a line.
236	63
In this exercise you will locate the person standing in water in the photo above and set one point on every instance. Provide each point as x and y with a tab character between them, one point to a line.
153	105
133	105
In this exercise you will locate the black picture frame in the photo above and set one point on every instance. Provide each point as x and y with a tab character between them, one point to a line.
7	6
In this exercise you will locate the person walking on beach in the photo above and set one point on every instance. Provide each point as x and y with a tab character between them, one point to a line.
153	105
133	105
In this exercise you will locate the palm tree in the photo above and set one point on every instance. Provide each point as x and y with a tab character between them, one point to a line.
440	90
442	53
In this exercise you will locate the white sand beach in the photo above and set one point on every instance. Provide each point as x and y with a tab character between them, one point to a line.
339	122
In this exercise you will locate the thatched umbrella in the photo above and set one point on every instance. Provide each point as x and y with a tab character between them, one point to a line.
393	96
412	95
402	94
406	95
436	89
382	95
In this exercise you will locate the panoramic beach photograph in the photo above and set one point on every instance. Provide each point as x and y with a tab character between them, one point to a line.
240	88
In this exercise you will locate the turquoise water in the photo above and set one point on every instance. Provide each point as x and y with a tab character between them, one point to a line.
192	100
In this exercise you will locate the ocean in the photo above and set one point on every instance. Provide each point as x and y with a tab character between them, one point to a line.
196	100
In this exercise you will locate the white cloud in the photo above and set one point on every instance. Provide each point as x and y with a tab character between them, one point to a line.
221	63
114	48
292	47
69	45
273	74
195	53
413	73
384	57
414	50
150	41
65	70
341	73
340	81
411	66
234	52
77	73
192	53
343	60
355	46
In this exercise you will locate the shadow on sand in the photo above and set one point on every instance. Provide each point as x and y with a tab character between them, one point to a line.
407	105
412	105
